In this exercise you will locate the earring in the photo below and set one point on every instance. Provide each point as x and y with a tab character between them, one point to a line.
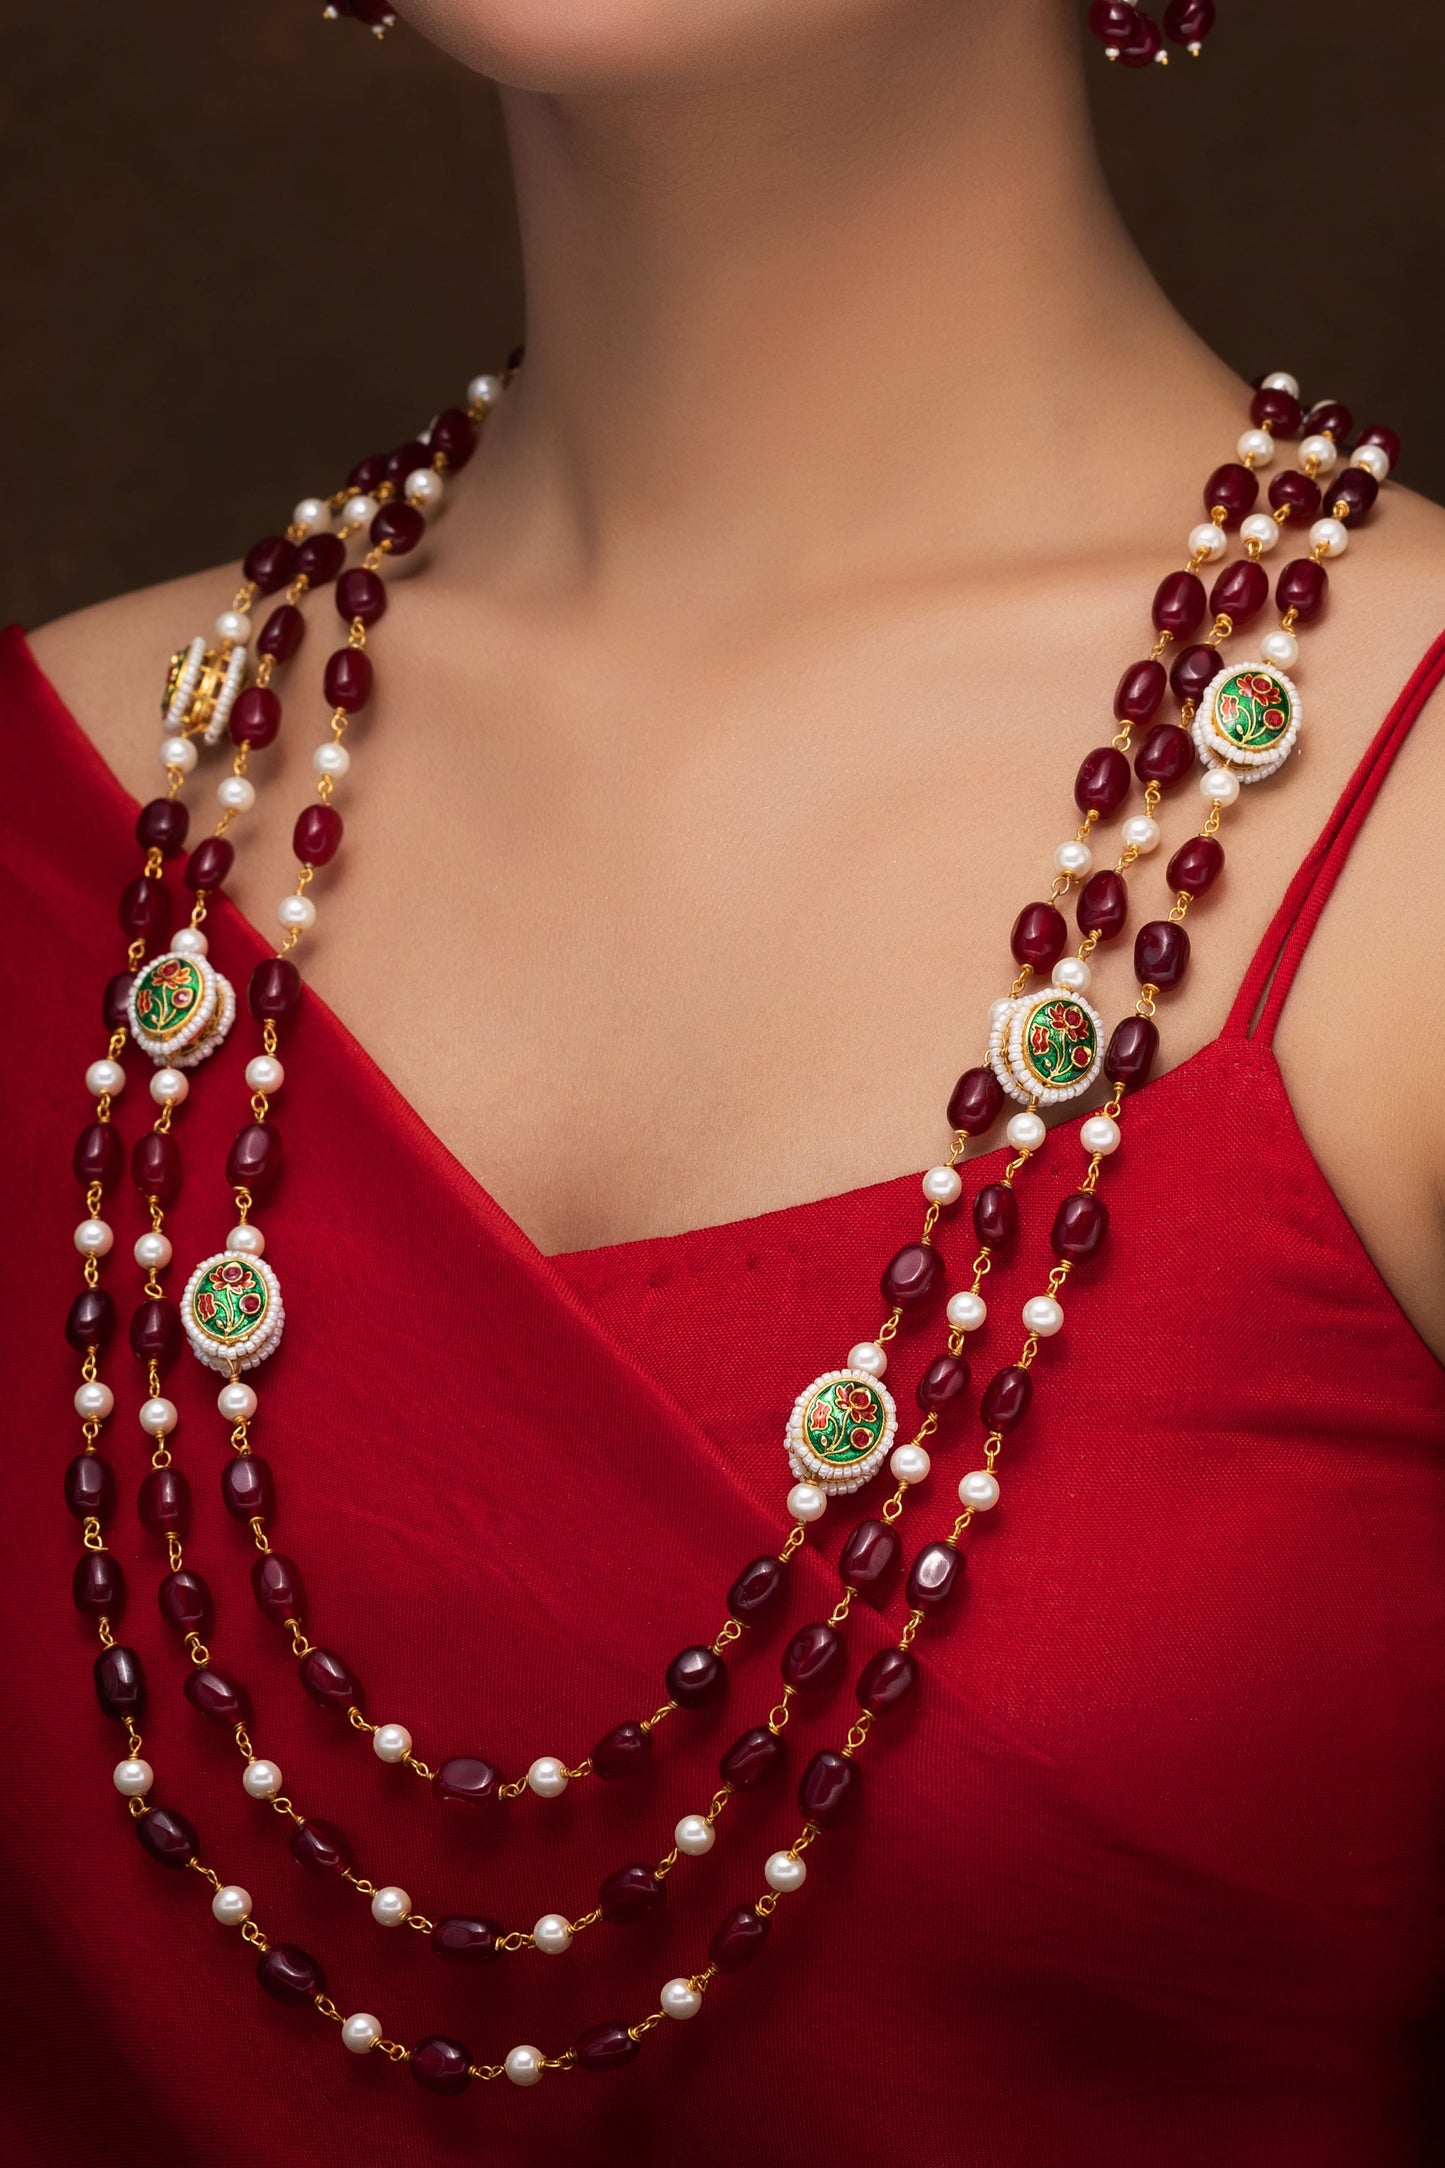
1132	37
376	14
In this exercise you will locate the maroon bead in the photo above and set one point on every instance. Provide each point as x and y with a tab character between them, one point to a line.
185	1602
316	837
1188	22
752	1759
942	1385
630	1894
219	1699
913	1276
90	1487
99	1155
1112	22
606	2047
400	525
361	595
828	1788
454	435
813	1658
155	1166
254	1160
277	1586
290	1975
405	460
155	1331
1102	783
162	825
1161	954
1277	410
1352	494
246	1487
1195	669
1387	440
1166	756
120	1685
271	564
256	717
1196	865
886	1679
328	1681
163	1502
115	1001
869	1560
97	1586
439	2065
144	910
320	558
1143	45
1103	905
1129	1056
1240	592
368	474
168	1837
757	1588
467	1942
625	1748
996	1215
1235	488
695	1676
347	679
977	1102
1005	1399
322	1846
1295	491
1080	1225
464	1781
210	863
1178	608
935	1573
1038	936
1141	689
739	1939
280	636
90	1320
1330	418
274	989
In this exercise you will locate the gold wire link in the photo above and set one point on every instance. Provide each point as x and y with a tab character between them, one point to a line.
719	1800
838	1616
243	1740
957	1530
797	1536
358	1881
728	1633
260	1106
1220	631
263	1545
392	2049
1288	622
102	1627
1180	909
512	1789
906	1638
1144	1006
958	1147
244	1202
1058	1276
268	1035
207	1874
779	1713
420	1922
565	2061
251	1933
650	1722
894	1505
358	1722
174	1553
90	1535
264	669
200	1654
485	2071
300	1646
645	2025
889	1326
588	1919
515	1941
284	1804
767	1904
134	954
132	1739
1026	972
857	1735
992	1446
583	1769
420	1768
93	1199
328	2008
930	1221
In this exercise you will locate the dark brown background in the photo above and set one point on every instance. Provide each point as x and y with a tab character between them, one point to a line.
242	245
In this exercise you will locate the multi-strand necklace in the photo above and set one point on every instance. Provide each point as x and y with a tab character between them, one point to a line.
1238	721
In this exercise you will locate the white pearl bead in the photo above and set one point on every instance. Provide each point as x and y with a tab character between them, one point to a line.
679	1999
424	486
132	1779
359	511
248	1239
979	1490
1074	859
1041	1314
153	1252
782	1872
484	391
93	1403
1100	1133
1281	380
1218	785
548	1776
158	1417
1374	459
296	911
806	1502
1261	530
264	1073
1207	540
103	1076
869	1357
261	1779
1281	648
694	1835
1322	450
190	941
1026	1132
552	1935
169	1087
943	1185
331	759
231	1904
93	1238
1072	974
998	1010
524	2065
236	793
178	753
361	2032
1258	445
237	1402
391	1742
1141	832
1330	535
312	513
232	626
909	1464
966	1311
390	1906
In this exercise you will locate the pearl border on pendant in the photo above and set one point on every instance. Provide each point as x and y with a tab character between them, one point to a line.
241	1354
204	1028
1006	1055
806	1464
1218	751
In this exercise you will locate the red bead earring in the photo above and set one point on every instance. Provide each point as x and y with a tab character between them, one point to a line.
1131	36
376	14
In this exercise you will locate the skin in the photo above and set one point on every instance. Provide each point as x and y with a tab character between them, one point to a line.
738	710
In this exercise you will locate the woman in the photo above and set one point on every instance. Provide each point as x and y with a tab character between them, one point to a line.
723	726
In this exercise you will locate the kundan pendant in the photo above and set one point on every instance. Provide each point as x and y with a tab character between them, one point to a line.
201	688
1248	721
180	1009
1046	1046
232	1311
841	1430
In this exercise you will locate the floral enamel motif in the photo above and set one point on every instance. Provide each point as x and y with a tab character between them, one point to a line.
841	1430
232	1311
180	1009
1046	1046
1248	721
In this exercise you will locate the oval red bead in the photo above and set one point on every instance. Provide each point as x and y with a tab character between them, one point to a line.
1330	418
1290	490
467	1942
320	557
828	1788
256	717
1103	905
144	911
254	1160
97	1586
1102	783
934	1576
1352	494
185	1602
280	636
163	1502
347	679
400	525
1112	22
869	1560
912	1277
1166	756
273	989
1129	1056
625	1748
1240	592
361	596
290	1975
271	563
219	1699
696	1676
246	1487
1302	586
99	1155
976	1103
630	1894
210	863
329	1682
886	1679
1161	954
813	1658
90	1320
738	1940
404	461
1196	865
1194	671
316	837
90	1487
942	1385
752	1759
466	1781
1142	686
120	1685
1178	606
454	435
155	1166
114	1009
1387	440
168	1837
606	2047
321	1846
1038	935
757	1588
1276	409
278	1588
162	825
1080	1225
1234	488
155	1331
996	1215
1143	44
439	2065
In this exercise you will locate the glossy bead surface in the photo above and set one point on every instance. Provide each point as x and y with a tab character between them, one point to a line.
133	1777
466	1781
256	717
606	2047
360	2032
155	1331
524	2065
1178	607
454	435
316	838
217	1697
280	636
144	910
942	1385
806	1502
185	1602
1303	587
464	1941
886	1679
1112	22
400	526
695	1676
694	1835
1100	1133
1102	783
155	1166
913	1276
90	1487
678	1998
757	1588
1196	865
97	1586
1161	954
1276	407
261	1779
1234	488
168	1837
1166	756
391	1906
547	1776
119	1682
1103	906
161	825
99	1155
813	1658
254	1160
978	1491
552	1935
1140	690
404	461
996	1215
829	1787
752	1759
1080	1225
976	1103
1355	490
439	2065
934	1575
246	1487
163	1502
1005	1399
1194	670
321	1847
347	679
1387	440
1330	417
630	1894
361	595
1240	592
1295	492
329	1682
271	563
784	1872
1129	1056
623	1749
1038	936
273	990
290	1975
321	557
114	999
738	1940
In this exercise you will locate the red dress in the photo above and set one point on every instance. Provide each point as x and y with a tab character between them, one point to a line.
1146	1873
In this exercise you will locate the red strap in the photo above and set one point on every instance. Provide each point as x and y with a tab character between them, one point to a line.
1271	974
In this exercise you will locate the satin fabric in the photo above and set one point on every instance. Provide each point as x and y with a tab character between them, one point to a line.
1147	1872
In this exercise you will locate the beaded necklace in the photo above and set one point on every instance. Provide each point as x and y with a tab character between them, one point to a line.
1046	1045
